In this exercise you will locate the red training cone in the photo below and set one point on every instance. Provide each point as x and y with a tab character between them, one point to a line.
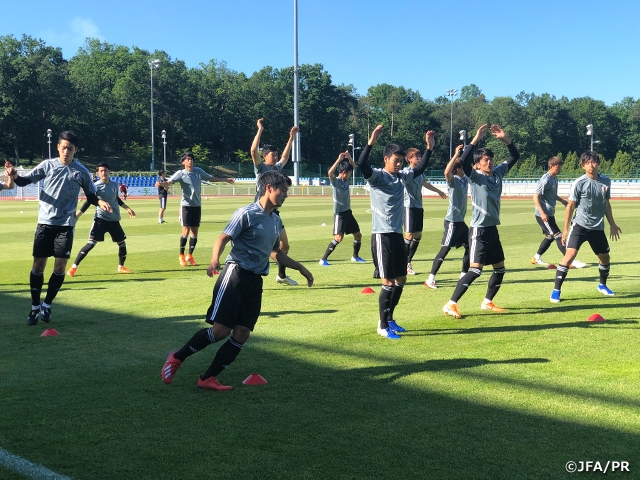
367	290
254	379
50	332
596	318
551	266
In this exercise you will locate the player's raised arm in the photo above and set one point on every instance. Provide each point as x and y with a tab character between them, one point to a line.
255	155
363	160
331	173
448	171
286	153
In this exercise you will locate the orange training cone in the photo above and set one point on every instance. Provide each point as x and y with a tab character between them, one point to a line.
367	290
50	332
596	318
551	266
254	379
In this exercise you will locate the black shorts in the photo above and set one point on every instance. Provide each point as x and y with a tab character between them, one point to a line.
163	200
345	222
596	238
550	227
484	245
52	241
456	234
389	255
413	219
237	298
100	227
191	216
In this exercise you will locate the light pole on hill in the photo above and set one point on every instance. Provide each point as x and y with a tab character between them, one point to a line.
452	92
590	134
49	141
153	63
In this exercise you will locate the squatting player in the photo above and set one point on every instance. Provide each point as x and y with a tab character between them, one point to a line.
63	178
456	232
105	222
268	162
254	231
589	199
190	180
484	240
387	212
343	220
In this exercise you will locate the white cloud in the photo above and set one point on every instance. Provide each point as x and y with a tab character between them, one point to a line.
73	37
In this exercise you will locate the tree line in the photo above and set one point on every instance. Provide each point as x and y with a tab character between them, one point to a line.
103	94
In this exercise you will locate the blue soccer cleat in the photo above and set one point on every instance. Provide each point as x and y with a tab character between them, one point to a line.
555	296
603	289
324	263
388	333
358	260
395	327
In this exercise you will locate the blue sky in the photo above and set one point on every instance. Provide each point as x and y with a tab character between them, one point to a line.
564	48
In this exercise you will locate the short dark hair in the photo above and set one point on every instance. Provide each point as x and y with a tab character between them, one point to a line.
553	161
268	148
590	155
186	155
481	152
103	164
456	165
70	137
394	148
345	166
161	173
273	178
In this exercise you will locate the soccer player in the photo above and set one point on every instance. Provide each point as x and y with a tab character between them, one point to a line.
105	222
63	178
456	232
545	200
237	295
589	199
190	180
162	196
343	220
484	241
387	212
124	190
269	161
413	211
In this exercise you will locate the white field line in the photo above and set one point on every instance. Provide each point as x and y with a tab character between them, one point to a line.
27	468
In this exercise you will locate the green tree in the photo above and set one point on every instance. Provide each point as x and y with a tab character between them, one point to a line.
623	164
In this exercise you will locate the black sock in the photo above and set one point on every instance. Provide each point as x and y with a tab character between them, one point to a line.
604	273
413	246
282	271
36	280
192	244
227	353
332	246
395	298
84	251
440	256
356	248
55	282
407	248
465	260
495	282
122	253
183	243
561	247
384	306
544	245
202	339
465	282
561	274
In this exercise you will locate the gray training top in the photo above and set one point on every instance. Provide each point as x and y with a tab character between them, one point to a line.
413	190
458	188
263	168
485	196
109	193
191	185
590	197
547	188
387	206
60	189
341	195
255	234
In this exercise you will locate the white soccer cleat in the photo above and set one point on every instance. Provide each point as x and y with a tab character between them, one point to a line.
286	280
538	261
578	264
430	284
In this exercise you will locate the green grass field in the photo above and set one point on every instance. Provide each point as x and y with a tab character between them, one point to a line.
491	396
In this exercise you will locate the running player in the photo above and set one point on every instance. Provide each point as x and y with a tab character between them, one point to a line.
387	212
105	222
190	180
237	295
545	200
589	199
413	211
343	220
162	196
269	161
484	240
63	178
456	232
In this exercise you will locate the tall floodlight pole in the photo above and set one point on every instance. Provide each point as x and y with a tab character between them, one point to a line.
153	63
590	134
49	141
452	92
164	144
296	113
